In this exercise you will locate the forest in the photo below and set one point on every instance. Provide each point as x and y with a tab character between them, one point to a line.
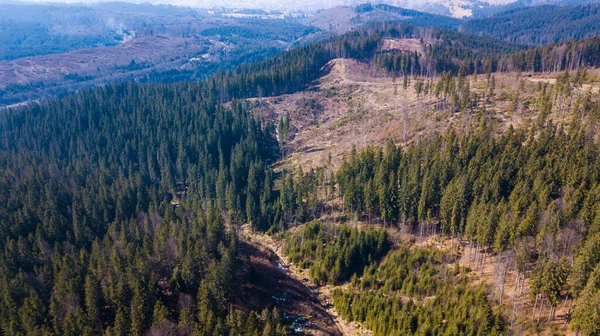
442	51
499	194
530	25
444	303
121	206
118	227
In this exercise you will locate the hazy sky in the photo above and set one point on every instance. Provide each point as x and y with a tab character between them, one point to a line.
265	4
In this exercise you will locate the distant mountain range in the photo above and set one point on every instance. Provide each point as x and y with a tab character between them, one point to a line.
526	26
53	49
453	8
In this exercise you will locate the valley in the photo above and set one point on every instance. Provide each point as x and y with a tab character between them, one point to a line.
128	42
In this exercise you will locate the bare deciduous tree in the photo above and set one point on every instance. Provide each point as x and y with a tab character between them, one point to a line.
504	261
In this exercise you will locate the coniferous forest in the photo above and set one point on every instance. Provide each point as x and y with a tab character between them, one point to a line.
94	238
122	208
524	196
382	307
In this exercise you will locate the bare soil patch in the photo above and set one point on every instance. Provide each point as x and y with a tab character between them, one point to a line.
408	44
270	284
319	295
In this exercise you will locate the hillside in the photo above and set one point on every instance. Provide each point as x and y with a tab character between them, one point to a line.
342	125
355	105
525	24
451	8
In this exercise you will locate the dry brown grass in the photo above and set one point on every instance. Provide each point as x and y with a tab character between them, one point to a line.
360	106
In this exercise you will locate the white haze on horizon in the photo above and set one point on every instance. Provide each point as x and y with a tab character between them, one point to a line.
455	8
282	5
233	4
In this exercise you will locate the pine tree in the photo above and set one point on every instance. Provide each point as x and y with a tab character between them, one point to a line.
121	325
160	314
92	300
33	314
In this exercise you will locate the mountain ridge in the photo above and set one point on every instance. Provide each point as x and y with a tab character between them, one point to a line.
453	8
